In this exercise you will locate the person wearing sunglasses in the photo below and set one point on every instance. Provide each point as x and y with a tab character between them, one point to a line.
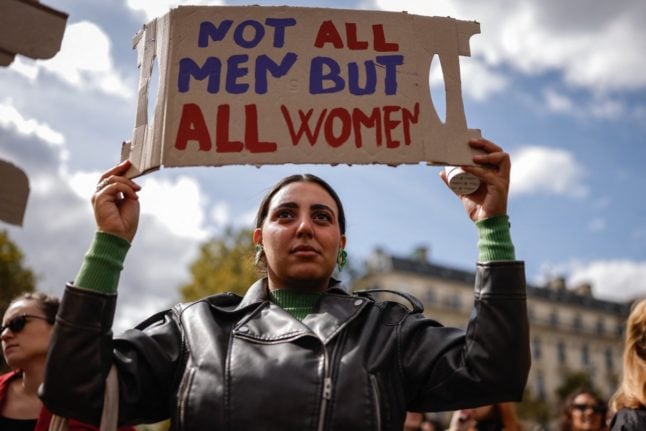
628	404
583	410
25	332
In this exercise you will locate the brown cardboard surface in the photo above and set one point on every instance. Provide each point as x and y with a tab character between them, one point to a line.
30	29
272	85
14	191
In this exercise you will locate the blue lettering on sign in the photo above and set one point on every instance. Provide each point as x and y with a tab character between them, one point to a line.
371	78
265	64
326	75
211	32
189	69
258	33
235	71
317	76
391	62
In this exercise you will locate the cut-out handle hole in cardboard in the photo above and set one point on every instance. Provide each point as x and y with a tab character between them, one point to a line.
438	88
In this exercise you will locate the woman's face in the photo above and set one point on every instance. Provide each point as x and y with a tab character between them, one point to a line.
585	413
29	344
301	236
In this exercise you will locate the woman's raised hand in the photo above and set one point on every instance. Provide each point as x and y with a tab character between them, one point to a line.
116	204
493	170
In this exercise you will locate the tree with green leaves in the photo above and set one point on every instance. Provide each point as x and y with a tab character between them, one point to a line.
15	277
225	264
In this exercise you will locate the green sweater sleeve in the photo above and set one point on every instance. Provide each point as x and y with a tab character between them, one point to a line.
495	239
103	263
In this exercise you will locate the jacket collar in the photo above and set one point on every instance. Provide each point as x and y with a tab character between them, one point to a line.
269	323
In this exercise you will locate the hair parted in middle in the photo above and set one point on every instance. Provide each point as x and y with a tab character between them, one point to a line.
263	208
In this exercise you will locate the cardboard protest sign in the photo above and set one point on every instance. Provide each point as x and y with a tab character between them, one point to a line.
14	190
271	85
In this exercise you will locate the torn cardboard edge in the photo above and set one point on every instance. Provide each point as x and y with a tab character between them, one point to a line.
14	191
297	115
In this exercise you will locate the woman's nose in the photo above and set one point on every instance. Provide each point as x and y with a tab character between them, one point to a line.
304	226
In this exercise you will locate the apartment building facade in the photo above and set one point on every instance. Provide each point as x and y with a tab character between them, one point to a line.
571	331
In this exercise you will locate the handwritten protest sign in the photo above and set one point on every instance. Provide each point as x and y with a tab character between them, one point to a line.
270	85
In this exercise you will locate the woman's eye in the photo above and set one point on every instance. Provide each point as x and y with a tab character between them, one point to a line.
284	214
322	216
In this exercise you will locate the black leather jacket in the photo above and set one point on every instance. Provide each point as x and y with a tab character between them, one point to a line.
231	363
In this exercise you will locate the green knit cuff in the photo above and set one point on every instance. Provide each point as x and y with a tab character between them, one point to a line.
495	239
103	263
298	304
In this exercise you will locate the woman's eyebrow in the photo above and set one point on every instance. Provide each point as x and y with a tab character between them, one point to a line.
321	207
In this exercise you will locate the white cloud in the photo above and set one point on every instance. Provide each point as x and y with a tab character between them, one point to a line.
480	81
59	226
11	118
546	170
597	47
154	9
595	106
84	61
558	102
220	214
620	280
179	205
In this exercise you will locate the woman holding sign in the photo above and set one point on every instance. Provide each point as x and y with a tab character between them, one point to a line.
297	352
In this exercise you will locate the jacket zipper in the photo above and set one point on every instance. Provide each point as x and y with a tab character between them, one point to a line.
327	389
183	397
376	395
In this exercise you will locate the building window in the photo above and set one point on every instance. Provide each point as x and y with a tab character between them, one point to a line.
601	327
560	352
540	386
610	365
429	296
554	318
620	330
577	323
453	301
536	348
585	354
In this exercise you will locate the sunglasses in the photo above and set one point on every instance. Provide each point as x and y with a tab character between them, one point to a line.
584	407
18	323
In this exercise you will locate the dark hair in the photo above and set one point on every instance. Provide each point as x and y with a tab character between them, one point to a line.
263	209
47	303
566	410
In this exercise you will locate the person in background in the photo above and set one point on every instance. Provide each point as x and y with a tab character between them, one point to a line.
583	410
416	421
628	404
298	351
493	417
26	330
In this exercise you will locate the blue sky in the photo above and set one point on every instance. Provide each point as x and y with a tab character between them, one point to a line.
560	85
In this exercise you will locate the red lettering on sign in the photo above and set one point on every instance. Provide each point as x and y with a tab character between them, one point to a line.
379	39
251	141
328	34
353	42
192	127
346	127
339	125
222	142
